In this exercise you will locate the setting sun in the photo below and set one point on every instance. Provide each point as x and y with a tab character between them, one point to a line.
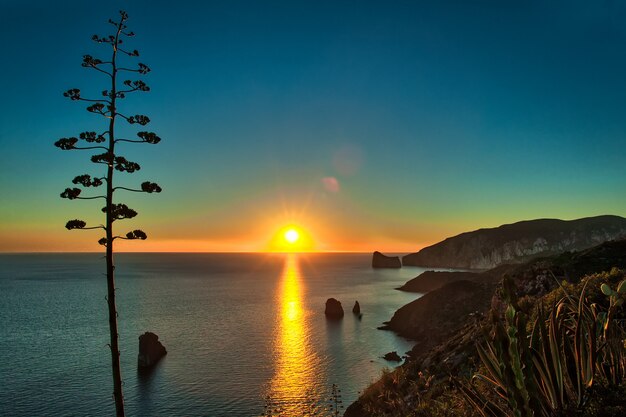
291	238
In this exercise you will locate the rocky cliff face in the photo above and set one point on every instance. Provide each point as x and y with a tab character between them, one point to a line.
431	280
518	242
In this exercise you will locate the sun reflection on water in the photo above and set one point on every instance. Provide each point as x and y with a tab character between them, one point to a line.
292	389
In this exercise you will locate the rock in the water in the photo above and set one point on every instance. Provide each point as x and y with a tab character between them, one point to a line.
151	350
333	309
357	308
382	261
392	356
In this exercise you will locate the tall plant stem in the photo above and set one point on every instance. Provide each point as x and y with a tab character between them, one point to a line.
115	350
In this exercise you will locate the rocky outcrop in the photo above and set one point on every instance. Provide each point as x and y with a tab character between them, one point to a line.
392	357
431	280
333	310
437	315
151	350
382	261
357	308
518	242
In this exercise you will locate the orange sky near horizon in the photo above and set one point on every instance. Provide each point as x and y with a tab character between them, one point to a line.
251	227
13	241
223	227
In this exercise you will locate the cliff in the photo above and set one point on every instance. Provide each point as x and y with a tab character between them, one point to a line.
518	242
437	315
431	280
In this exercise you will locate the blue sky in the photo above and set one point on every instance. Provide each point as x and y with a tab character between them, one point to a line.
433	118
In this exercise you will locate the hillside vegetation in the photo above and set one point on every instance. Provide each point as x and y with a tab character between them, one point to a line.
553	326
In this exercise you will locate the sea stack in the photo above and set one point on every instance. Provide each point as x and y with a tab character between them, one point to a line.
151	350
382	261
333	309
357	308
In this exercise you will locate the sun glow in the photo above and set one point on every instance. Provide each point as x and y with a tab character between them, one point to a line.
291	238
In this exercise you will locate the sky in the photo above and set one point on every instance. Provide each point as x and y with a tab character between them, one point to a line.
369	125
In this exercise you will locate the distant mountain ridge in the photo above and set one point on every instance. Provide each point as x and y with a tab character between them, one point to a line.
518	242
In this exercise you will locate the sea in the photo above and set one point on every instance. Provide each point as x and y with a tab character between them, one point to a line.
246	334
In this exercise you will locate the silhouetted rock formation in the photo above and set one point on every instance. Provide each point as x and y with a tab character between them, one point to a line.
382	261
357	308
518	242
151	350
392	357
333	309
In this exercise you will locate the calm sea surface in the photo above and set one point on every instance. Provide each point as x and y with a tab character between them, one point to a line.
239	328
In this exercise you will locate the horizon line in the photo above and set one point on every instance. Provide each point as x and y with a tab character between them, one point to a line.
201	252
